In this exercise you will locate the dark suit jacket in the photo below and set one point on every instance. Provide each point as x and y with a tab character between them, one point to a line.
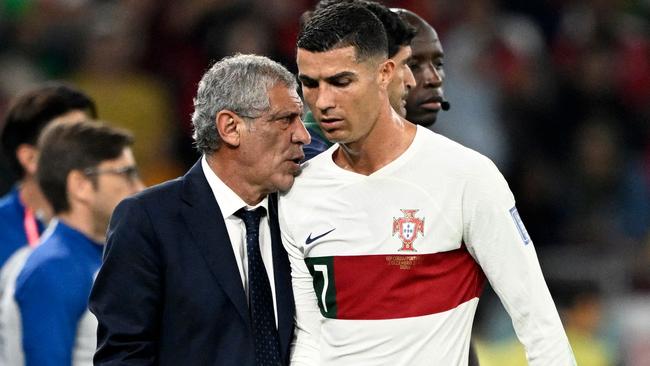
169	291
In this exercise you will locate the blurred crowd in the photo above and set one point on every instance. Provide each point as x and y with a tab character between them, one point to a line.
557	93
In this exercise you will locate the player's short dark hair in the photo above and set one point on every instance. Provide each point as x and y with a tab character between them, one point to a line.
29	113
74	145
399	32
342	25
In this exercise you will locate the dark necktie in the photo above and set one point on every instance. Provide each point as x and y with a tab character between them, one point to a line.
267	345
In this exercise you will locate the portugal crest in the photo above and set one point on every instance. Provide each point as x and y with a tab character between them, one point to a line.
407	228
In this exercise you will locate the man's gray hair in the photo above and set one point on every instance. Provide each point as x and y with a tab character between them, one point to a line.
240	84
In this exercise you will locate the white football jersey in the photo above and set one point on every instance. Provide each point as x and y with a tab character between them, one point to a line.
387	268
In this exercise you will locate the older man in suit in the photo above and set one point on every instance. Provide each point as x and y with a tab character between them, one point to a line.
194	270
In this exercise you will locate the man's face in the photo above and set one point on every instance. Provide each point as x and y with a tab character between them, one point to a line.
116	179
403	81
343	94
271	145
423	101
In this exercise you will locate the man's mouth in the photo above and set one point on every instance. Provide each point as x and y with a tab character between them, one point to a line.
330	123
295	164
432	104
330	120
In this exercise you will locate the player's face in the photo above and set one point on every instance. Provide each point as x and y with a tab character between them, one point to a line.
116	179
403	81
343	94
272	143
423	101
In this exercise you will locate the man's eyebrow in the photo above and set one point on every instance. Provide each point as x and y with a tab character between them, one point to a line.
306	79
329	79
283	114
343	74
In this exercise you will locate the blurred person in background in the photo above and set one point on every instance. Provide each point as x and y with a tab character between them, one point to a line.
85	168
25	211
607	200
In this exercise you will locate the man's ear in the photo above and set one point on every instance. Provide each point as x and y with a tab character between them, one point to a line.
386	72
27	156
229	127
79	187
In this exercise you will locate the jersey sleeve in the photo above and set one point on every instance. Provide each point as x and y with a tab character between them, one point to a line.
305	345
51	298
496	237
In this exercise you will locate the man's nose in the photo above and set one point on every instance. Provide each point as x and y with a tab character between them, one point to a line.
409	78
432	76
301	135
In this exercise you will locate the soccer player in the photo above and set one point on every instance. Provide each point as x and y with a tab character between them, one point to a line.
388	268
399	34
85	168
414	45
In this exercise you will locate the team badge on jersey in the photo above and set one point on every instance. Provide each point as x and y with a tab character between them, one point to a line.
407	228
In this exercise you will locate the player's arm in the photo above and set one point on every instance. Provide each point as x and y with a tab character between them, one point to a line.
496	237
127	293
305	345
51	299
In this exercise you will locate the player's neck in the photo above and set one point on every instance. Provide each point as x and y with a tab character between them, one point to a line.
32	197
388	139
83	221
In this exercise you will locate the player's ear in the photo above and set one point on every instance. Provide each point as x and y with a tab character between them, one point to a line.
80	188
229	127
27	156
386	72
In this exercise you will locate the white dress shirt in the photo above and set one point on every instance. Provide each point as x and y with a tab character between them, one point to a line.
229	203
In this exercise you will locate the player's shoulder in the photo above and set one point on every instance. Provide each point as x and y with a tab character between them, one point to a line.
317	174
53	251
453	155
320	165
8	203
46	263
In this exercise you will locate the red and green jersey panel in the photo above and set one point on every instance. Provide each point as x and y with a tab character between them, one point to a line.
392	286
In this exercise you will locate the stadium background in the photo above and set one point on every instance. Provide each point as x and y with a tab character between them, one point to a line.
556	92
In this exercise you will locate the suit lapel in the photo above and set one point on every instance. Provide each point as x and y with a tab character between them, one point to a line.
282	274
204	220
